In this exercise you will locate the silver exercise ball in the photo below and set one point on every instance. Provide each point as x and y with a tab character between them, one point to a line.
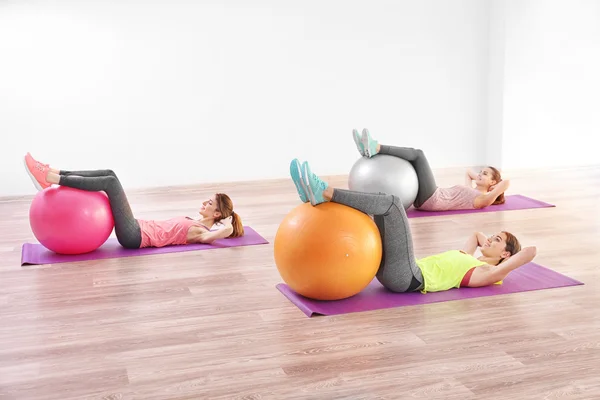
387	174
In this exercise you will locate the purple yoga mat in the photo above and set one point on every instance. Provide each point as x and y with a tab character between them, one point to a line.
513	202
35	254
375	297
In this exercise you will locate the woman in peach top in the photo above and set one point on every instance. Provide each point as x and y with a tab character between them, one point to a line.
135	233
489	187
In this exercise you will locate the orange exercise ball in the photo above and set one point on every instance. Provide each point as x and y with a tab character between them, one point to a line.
327	252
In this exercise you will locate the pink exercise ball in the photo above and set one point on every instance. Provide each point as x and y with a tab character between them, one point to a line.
71	221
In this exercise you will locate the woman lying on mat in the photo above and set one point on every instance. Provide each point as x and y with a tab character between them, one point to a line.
135	233
399	270
489	187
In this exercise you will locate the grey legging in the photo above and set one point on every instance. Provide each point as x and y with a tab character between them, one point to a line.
398	270
416	157
127	228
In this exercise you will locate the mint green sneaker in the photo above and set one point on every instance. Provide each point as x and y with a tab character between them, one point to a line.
359	145
315	186
296	173
369	144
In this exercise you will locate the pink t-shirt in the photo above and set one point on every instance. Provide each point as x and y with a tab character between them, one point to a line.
166	233
457	197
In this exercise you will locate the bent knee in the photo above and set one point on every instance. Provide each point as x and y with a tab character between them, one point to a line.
111	180
396	204
396	200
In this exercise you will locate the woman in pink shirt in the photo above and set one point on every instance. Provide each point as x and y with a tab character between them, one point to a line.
489	187
135	233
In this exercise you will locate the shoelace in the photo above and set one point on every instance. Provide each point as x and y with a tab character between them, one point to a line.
40	166
319	182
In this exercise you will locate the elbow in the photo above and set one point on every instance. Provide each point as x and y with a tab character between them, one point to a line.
532	252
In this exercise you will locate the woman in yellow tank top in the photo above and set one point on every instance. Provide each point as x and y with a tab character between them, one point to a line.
501	253
399	270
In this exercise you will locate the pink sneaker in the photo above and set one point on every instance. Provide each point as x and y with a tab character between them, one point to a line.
37	171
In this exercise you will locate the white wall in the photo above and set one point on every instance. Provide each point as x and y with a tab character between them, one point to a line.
551	78
495	100
174	92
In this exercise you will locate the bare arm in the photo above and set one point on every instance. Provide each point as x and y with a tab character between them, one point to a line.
488	275
521	258
477	239
201	235
488	199
469	176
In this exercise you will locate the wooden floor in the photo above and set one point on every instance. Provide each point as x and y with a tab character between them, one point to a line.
212	325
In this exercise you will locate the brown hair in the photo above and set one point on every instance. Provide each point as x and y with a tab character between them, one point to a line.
512	244
225	207
498	178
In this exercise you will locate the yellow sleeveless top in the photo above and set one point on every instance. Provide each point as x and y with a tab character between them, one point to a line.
446	270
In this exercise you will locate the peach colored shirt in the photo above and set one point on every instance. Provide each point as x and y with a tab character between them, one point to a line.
166	233
457	197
